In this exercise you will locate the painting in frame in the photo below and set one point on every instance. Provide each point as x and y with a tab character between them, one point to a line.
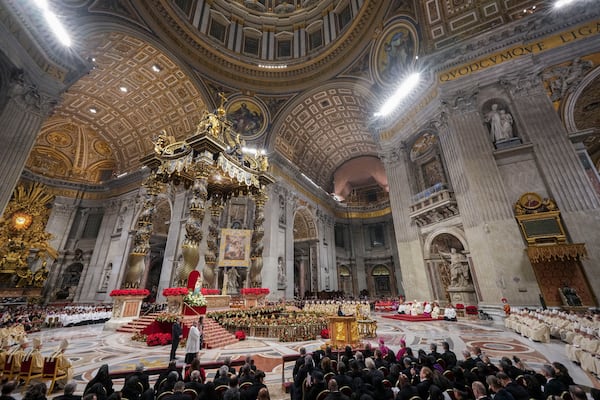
235	248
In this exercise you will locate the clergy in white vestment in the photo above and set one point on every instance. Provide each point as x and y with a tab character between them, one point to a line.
192	346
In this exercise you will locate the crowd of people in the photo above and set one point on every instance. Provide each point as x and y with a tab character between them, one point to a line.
194	384
579	331
34	317
380	374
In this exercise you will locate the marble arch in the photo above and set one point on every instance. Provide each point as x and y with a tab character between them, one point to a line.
454	231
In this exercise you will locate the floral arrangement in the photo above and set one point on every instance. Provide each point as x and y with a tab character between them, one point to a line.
240	335
175	291
166	317
139	337
255	291
209	292
158	339
129	292
325	333
195	299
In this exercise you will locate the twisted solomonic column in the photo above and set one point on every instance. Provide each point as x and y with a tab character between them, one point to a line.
193	231
141	239
256	263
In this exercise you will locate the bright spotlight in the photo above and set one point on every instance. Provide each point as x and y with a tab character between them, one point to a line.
405	88
562	3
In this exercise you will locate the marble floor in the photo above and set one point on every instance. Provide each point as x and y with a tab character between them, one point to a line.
91	346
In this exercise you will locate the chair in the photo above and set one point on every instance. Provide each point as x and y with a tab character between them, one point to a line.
9	368
322	394
471	310
163	394
385	370
26	372
450	393
191	393
415	398
566	395
328	376
334	365
347	390
245	386
219	390
386	383
50	371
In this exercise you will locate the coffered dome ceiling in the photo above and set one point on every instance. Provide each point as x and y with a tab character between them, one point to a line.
311	95
107	119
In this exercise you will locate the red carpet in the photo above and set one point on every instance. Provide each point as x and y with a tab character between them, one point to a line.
410	318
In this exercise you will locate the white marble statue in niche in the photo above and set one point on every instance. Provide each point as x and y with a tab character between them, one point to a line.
500	124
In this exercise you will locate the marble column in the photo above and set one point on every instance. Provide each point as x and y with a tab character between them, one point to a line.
494	240
562	170
59	224
413	277
23	113
173	238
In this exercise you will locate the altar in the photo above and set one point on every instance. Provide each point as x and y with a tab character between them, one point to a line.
343	331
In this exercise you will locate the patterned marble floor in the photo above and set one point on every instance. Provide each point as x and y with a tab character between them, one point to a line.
91	346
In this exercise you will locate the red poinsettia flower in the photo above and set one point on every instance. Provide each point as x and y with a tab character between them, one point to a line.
158	339
129	292
175	291
240	335
255	291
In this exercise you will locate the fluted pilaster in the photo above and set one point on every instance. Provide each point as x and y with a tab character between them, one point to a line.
395	163
473	172
21	118
555	155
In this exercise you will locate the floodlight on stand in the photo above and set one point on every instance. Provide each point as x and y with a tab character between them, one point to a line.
405	88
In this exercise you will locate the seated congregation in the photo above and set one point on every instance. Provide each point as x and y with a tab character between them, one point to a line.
380	374
580	331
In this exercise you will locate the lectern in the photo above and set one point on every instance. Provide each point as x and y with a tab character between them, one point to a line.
343	331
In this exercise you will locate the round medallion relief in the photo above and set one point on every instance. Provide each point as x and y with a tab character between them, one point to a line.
395	53
59	139
248	116
102	148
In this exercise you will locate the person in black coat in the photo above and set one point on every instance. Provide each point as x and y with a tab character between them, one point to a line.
479	391
342	378
519	392
162	378
195	382
132	389
334	392
252	392
143	378
176	335
101	384
317	386
69	391
496	387
299	362
178	392
425	377
553	386
407	391
7	389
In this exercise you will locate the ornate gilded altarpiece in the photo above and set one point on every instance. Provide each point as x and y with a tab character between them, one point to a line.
24	243
556	263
